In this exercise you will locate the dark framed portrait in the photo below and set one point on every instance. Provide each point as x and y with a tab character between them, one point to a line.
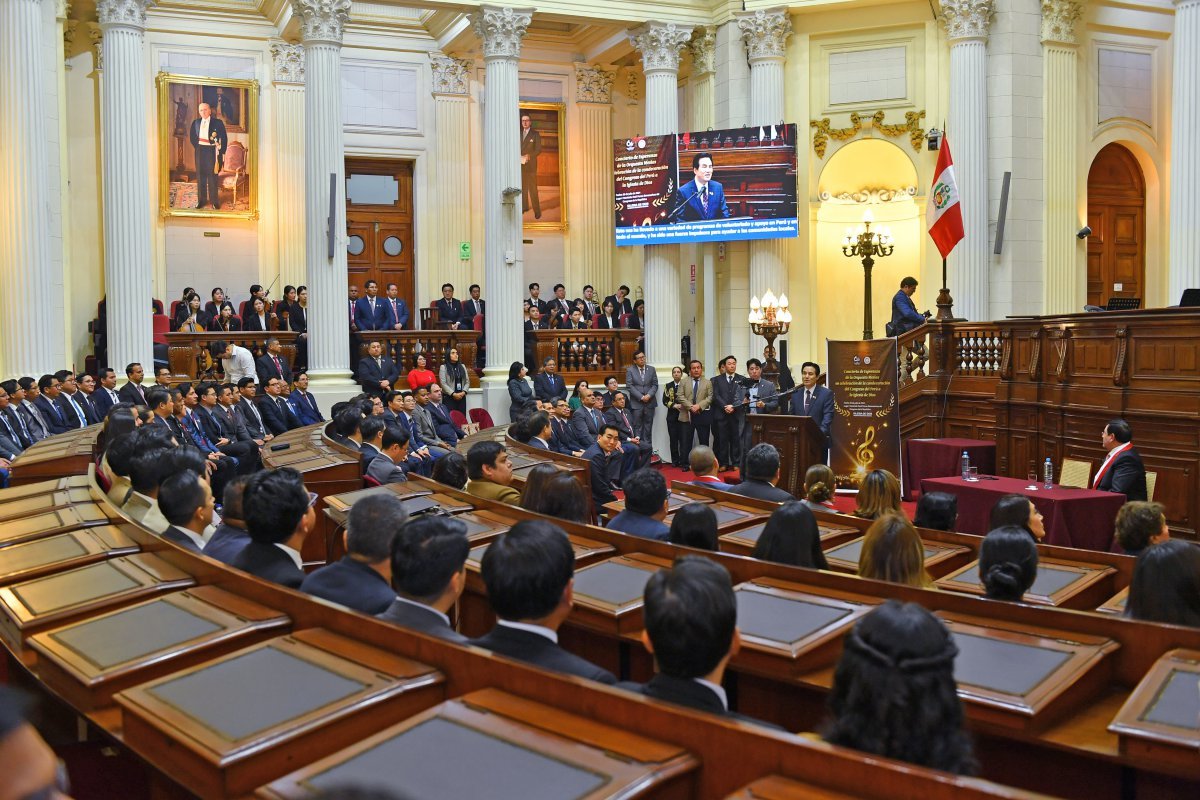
543	166
208	146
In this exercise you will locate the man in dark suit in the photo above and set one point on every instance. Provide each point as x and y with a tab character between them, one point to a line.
701	198
620	301
814	400
529	573
303	404
377	373
588	304
560	307
449	308
223	428
646	497
473	307
272	364
277	415
209	141
392	455
531	147
246	406
536	322
106	393
905	316
12	440
230	536
186	500
27	392
1122	470
132	391
429	558
279	516
370	312
604	455
361	580
68	400
548	385
537	425
563	438
728	396
443	425
397	310
703	464
86	397
535	298
637	452
691	631
47	403
761	474
588	420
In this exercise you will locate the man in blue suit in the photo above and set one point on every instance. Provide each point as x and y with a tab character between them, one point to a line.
362	579
303	404
450	308
905	316
813	400
370	312
702	198
47	403
397	311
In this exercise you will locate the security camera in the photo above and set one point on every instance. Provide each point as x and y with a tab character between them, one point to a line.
1084	232
934	139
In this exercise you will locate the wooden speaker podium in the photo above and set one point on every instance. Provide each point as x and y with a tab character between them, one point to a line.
799	441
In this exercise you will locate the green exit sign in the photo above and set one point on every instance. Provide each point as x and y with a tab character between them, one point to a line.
464	251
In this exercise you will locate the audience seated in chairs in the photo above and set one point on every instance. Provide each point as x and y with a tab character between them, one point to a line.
1139	525
762	475
819	488
361	580
279	517
230	536
529	574
894	693
388	465
429	559
451	471
694	525
1166	584
491	473
703	463
1019	510
892	551
937	511
691	631
878	495
791	537
646	500
1008	562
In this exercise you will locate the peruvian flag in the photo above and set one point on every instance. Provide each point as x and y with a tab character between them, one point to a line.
945	224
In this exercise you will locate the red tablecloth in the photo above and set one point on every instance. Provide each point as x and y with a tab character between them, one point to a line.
1073	517
941	458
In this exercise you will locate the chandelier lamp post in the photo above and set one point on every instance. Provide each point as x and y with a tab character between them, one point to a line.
867	245
769	320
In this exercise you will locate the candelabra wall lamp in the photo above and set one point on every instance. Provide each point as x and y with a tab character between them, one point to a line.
867	245
769	319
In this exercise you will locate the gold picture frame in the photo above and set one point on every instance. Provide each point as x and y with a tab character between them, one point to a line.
233	133
547	123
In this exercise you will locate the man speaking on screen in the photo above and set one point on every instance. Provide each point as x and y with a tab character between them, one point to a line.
702	198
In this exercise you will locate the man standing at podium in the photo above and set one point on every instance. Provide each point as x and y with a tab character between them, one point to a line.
701	198
814	400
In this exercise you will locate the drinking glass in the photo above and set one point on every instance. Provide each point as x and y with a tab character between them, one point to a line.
973	474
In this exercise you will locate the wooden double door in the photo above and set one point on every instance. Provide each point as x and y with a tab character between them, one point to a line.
379	226
1116	248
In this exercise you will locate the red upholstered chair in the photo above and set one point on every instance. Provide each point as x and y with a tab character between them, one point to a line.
162	325
481	417
458	418
242	309
595	320
157	304
369	482
174	308
623	320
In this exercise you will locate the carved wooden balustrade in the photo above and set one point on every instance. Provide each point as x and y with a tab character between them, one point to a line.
589	355
404	346
187	353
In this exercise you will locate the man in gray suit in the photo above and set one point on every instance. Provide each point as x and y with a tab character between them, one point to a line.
642	382
762	397
385	467
425	425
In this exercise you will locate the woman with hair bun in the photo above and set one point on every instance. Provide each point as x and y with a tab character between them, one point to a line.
1008	563
894	693
819	486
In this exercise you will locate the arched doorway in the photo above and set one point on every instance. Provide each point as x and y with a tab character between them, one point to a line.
1116	213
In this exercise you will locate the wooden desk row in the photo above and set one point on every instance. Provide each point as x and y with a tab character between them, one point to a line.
66	454
232	687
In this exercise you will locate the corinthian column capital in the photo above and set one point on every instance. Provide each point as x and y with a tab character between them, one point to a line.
123	13
501	30
450	75
593	84
704	50
660	44
1058	20
322	20
765	32
287	62
966	19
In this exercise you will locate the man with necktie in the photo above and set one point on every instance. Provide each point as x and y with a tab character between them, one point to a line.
397	310
11	441
728	397
67	400
762	395
27	390
303	404
377	373
701	198
16	422
814	400
590	306
272	364
450	309
47	403
642	381
86	396
370	314
132	392
106	394
695	395
473	307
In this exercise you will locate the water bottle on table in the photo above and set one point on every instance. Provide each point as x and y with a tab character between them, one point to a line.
966	466
1048	474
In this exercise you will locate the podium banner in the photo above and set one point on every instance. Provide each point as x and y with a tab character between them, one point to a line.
864	378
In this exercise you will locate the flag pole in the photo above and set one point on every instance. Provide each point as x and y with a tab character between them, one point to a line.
945	303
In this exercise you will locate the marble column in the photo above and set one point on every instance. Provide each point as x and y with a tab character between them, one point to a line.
450	173
125	171
287	76
500	31
1185	151
322	23
967	23
660	45
704	86
31	341
765	33
591	195
1065	288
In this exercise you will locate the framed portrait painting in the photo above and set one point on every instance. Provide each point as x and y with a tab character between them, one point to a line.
543	167
208	146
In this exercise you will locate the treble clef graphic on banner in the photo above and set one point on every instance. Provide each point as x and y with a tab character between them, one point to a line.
864	453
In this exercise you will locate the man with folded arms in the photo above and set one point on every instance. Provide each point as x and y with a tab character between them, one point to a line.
530	576
362	579
429	573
